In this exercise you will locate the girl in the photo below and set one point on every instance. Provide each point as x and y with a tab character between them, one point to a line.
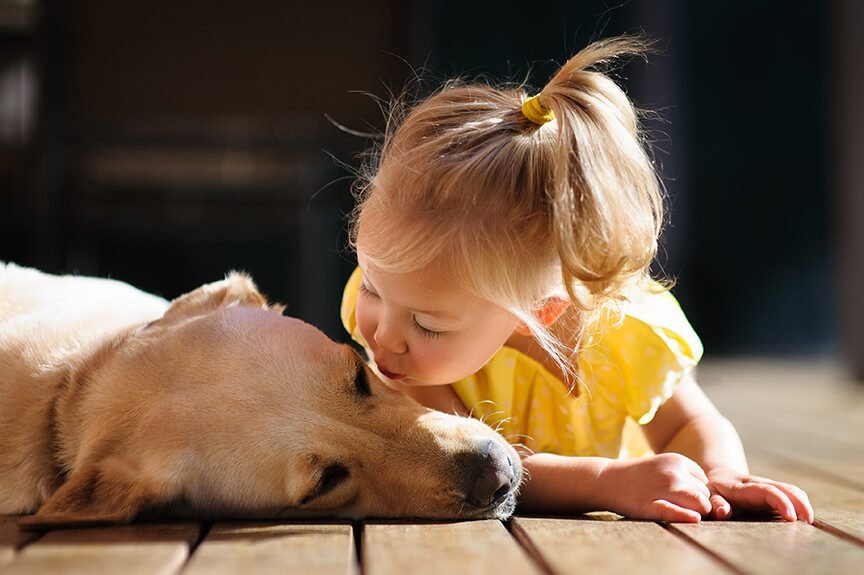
503	245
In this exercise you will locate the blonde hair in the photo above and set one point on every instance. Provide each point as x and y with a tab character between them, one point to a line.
520	211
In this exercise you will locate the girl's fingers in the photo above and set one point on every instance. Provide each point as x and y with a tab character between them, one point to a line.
754	493
780	502
705	505
758	496
697	472
720	508
799	500
668	511
695	497
701	487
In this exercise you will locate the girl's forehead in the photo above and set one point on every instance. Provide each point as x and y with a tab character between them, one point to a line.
427	290
430	280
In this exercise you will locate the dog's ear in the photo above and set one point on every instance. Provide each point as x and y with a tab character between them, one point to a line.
106	493
236	289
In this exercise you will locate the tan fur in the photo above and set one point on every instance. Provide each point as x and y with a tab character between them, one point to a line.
112	402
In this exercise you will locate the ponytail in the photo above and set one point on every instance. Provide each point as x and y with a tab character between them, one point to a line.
607	206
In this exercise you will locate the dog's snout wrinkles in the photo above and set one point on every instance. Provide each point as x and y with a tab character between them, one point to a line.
490	474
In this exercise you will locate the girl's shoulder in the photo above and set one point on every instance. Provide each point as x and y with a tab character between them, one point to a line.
648	319
638	353
349	303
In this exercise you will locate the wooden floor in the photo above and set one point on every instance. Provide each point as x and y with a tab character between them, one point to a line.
801	422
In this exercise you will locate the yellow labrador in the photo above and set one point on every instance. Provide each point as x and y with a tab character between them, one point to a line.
114	402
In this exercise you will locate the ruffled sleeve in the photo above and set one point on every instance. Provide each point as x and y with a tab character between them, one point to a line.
349	306
639	363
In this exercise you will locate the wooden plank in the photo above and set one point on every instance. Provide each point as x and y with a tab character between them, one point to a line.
604	546
806	412
802	388
845	462
836	506
11	538
263	548
467	547
775	546
128	549
839	431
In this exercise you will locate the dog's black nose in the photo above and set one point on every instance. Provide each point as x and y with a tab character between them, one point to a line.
489	474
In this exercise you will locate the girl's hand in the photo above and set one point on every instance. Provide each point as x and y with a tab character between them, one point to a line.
665	487
734	491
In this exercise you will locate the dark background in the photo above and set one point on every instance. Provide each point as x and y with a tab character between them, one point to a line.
164	143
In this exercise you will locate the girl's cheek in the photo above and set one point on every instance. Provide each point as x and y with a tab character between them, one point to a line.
438	366
364	323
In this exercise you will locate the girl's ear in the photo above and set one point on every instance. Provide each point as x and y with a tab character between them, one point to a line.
105	493
547	314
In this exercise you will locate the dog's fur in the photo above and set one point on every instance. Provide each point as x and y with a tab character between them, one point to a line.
113	401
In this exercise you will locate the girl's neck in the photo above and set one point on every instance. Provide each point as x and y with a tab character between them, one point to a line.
528	345
563	330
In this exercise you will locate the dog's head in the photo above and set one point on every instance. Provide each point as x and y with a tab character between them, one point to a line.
231	409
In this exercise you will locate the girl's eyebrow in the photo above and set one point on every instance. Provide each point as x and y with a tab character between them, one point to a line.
437	313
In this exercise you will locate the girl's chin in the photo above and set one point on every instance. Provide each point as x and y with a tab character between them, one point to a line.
406	381
415	382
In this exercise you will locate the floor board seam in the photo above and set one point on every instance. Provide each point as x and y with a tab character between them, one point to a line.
203	531
358	529
837	532
694	543
524	541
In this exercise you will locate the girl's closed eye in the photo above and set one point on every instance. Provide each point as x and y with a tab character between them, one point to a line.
425	331
365	290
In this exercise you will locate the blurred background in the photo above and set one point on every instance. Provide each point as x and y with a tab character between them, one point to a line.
164	143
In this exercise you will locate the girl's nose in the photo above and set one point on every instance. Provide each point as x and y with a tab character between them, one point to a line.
390	339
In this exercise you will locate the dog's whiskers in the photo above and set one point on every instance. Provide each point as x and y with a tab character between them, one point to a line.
479	403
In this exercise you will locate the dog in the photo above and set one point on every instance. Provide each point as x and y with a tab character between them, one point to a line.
115	402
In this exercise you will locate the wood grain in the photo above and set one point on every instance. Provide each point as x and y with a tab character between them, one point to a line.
129	549
597	546
435	548
807	412
775	546
263	548
838	506
845	464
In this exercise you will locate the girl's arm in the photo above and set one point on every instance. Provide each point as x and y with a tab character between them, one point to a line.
689	424
668	487
559	484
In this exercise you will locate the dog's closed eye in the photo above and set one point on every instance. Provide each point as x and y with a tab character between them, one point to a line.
330	478
361	381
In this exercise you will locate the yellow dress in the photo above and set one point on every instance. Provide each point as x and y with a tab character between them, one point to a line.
625	374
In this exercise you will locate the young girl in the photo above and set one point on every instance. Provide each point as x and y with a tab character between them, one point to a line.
503	244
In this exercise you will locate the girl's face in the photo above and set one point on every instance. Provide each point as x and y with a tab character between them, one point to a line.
421	330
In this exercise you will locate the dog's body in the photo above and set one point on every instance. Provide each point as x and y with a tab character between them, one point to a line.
47	324
113	401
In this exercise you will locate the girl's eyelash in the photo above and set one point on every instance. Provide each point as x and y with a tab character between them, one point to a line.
433	335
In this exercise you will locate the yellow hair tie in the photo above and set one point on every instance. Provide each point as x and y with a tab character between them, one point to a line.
537	112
